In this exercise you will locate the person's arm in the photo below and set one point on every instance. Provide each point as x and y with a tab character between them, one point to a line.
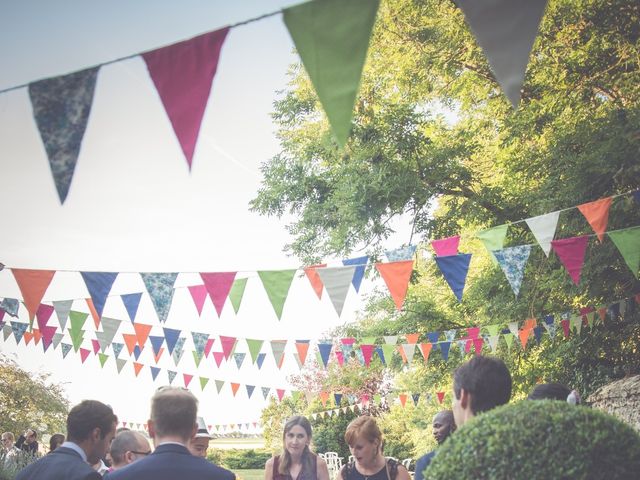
268	469
322	471
403	473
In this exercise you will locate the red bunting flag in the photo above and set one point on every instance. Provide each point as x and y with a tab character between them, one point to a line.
183	74
440	397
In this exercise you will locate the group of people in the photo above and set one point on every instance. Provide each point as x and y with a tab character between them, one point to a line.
181	438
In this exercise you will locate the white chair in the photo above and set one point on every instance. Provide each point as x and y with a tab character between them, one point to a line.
406	463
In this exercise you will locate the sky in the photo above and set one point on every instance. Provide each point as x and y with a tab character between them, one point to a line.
134	206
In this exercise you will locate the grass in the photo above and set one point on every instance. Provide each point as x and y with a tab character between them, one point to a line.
257	474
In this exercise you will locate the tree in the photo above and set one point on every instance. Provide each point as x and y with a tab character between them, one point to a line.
30	401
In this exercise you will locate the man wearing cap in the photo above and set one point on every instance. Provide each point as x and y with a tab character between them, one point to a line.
199	444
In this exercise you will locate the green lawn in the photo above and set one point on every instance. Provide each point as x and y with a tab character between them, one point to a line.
257	474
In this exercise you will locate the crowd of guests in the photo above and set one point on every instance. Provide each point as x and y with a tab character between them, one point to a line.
95	448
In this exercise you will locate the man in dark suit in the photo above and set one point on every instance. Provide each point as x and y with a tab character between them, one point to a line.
172	425
91	425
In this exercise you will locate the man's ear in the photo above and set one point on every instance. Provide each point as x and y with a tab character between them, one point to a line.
151	427
465	399
95	434
194	431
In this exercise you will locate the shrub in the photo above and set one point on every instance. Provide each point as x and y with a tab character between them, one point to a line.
239	459
10	468
540	440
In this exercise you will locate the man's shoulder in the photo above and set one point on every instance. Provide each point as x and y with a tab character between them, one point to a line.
45	467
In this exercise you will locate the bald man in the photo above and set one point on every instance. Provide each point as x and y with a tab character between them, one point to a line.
128	447
443	426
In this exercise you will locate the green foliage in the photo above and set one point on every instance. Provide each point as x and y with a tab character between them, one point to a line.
273	418
10	468
239	458
30	401
540	440
328	434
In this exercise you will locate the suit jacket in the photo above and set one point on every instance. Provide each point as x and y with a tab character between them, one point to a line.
170	462
61	464
422	464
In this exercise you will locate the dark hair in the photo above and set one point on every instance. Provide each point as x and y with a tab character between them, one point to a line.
86	416
307	455
488	381
55	441
550	391
174	411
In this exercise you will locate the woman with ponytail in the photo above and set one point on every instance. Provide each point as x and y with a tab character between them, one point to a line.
297	461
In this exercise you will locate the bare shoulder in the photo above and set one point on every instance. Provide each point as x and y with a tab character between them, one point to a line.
269	463
321	461
403	473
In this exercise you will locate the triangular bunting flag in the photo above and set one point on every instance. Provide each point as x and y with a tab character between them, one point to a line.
84	353
218	285
543	228
10	306
154	372
250	389
239	358
337	281
142	333
276	284
314	279
160	288
265	392
234	388
302	346
171	335
332	38
156	343
446	246
627	241
277	347
172	375
183	74
440	397
506	30
260	360
99	285
62	308
178	350
228	344
203	382
33	284
325	351
597	214
199	295
219	385
401	254
137	367
455	268
120	363
187	379
131	302
367	352
396	275
19	329
361	264
512	261
493	238
61	108
236	293
199	342
254	348
571	252
425	349
117	348
66	348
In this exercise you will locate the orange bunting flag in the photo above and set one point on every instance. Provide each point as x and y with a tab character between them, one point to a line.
303	348
130	341
403	399
157	357
597	214
602	312
425	349
28	336
234	388
142	333
33	284
530	323
524	335
94	312
324	396
314	279
137	367
396	275
403	354
37	335
412	338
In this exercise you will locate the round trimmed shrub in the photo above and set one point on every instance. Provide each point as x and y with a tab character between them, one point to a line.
540	440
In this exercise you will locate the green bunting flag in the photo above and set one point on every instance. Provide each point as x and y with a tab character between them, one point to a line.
236	293
332	38
277	283
493	239
627	241
203	382
103	358
254	348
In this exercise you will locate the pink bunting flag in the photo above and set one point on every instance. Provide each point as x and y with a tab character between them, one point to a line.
199	295
218	357
96	346
280	393
227	345
187	379
367	352
84	353
340	357
571	252
208	346
183	74
446	246
218	285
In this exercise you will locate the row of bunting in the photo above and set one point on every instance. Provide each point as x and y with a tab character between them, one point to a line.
471	339
220	286
218	429
332	39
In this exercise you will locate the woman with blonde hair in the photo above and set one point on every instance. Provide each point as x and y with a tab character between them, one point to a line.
297	461
365	444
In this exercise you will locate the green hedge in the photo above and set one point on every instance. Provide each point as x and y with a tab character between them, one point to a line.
540	440
239	459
